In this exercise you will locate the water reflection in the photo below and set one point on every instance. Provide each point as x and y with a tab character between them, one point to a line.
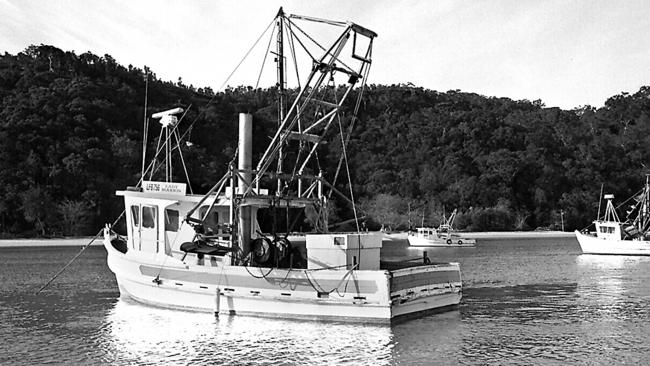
146	335
613	287
432	340
589	261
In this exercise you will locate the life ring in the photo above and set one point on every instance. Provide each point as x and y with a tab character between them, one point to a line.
448	241
460	242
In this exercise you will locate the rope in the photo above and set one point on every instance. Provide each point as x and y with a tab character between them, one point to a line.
316	286
151	166
78	255
259	277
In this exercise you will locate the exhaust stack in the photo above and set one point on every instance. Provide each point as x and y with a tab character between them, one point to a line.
245	166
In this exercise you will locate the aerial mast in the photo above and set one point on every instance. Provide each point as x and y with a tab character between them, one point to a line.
168	121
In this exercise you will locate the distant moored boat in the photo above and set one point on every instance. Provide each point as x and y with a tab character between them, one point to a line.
443	236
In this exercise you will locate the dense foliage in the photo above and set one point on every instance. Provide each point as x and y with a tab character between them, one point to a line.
71	130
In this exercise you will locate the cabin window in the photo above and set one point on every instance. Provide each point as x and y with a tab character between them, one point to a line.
149	217
171	220
135	214
211	222
607	229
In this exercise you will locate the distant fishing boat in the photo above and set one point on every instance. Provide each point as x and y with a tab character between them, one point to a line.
208	252
613	236
442	236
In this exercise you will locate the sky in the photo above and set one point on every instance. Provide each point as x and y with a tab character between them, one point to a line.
568	53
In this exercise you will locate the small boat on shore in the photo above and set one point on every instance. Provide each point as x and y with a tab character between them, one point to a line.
209	253
613	236
443	236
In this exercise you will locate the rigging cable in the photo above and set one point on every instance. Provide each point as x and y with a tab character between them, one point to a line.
293	53
268	47
159	149
227	79
327	52
87	245
178	146
616	208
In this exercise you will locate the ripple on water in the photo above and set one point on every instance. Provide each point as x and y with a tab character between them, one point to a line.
525	302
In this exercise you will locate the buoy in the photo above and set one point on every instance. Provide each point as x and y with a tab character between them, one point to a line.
217	301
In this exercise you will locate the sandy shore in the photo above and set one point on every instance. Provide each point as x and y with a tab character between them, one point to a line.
81	241
56	242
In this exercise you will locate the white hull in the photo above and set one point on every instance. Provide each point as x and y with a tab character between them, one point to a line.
418	241
359	295
591	244
208	252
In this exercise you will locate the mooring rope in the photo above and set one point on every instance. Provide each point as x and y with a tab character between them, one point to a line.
78	255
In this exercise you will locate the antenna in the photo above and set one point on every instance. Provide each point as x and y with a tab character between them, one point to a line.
145	123
600	200
168	119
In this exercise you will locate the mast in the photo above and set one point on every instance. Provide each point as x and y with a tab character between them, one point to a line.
291	157
281	87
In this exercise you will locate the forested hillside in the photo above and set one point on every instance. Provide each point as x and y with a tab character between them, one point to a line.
71	130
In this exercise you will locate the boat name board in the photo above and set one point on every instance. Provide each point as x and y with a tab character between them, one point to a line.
164	187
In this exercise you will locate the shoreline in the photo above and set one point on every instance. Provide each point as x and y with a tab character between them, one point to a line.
496	235
82	241
54	242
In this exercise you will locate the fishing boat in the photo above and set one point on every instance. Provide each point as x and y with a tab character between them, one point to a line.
613	236
209	252
442	236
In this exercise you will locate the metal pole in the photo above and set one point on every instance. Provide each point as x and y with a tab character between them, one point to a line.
280	85
245	166
600	199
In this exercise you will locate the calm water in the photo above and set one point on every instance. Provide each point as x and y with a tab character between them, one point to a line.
525	302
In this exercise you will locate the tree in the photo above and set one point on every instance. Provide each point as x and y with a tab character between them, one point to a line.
37	208
74	217
387	210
